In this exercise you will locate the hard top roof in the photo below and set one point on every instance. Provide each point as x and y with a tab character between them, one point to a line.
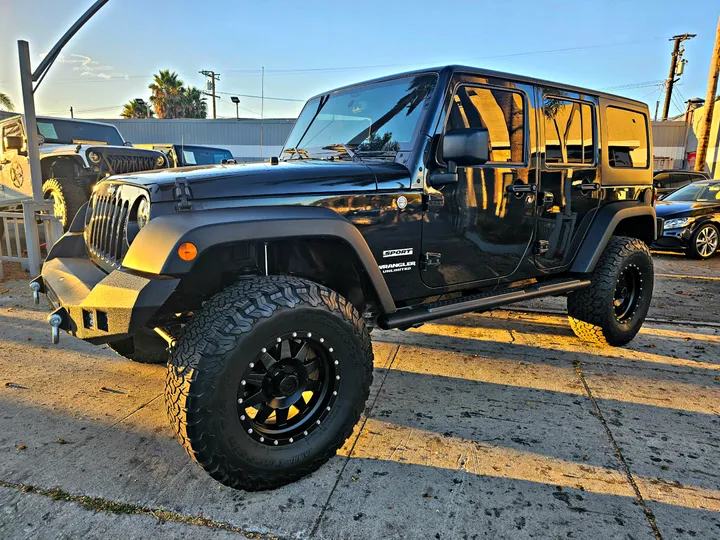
491	73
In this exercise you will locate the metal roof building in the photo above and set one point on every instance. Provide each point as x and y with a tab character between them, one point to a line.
242	137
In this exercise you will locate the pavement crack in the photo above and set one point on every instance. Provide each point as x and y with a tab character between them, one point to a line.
133	412
626	468
368	410
98	504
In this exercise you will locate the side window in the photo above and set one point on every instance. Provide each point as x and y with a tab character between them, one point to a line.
663	179
627	143
501	112
569	132
679	180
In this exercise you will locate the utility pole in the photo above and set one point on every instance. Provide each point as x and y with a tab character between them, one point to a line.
262	109
71	113
676	55
213	77
706	125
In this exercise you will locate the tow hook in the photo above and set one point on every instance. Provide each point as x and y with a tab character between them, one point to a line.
35	288
55	321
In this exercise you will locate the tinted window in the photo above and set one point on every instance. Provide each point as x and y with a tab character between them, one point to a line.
663	179
627	138
679	180
197	155
13	129
568	131
501	112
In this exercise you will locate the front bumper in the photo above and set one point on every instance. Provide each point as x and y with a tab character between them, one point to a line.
99	307
673	239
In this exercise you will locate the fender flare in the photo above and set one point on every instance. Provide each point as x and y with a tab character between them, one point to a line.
154	249
603	226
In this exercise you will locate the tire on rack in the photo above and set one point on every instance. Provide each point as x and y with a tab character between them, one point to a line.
268	380
67	197
613	308
145	348
704	242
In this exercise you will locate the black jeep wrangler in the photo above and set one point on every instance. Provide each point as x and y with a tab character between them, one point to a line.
394	202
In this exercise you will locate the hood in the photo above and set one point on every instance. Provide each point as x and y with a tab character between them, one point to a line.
674	209
286	178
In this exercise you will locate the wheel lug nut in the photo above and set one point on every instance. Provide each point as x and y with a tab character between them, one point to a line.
242	382
240	400
242	417
264	350
330	349
335	393
262	439
294	334
279	340
309	334
322	340
336	362
318	422
250	430
337	377
291	439
275	443
327	408
252	365
305	433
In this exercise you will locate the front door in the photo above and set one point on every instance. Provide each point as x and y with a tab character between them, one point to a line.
478	231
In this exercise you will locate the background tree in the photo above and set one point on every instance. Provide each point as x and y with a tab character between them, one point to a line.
5	102
167	94
194	104
133	109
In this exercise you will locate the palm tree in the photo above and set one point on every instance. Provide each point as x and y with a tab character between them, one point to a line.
167	94
134	109
194	105
5	102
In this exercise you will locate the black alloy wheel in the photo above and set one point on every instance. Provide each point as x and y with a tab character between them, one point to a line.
288	390
627	293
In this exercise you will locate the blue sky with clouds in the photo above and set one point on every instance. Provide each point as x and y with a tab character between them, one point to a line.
308	46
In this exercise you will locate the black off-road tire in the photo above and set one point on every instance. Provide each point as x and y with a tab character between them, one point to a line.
70	197
215	352
708	229
147	348
591	311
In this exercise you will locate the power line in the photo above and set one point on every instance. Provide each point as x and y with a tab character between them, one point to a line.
261	97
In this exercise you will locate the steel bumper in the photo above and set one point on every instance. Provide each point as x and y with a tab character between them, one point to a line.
99	307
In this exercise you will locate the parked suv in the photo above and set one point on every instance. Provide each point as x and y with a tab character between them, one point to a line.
668	180
74	155
394	202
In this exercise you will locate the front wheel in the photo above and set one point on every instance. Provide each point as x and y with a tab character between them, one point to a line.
66	196
613	308
268	380
704	243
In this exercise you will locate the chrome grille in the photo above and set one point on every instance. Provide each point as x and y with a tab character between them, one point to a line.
106	223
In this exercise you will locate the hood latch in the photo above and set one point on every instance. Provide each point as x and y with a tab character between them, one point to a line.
181	192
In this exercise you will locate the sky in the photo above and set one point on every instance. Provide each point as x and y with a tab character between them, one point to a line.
308	46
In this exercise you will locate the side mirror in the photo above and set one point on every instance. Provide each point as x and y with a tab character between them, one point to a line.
128	143
464	147
13	142
657	185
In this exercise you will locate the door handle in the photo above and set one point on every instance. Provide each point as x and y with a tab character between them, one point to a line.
591	186
522	188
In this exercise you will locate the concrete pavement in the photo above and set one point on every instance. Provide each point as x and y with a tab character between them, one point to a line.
500	425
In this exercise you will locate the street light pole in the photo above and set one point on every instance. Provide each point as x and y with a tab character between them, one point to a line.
236	101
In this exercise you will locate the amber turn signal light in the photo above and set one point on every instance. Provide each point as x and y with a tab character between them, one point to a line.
187	251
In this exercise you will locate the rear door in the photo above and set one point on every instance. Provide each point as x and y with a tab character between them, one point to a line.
569	189
475	231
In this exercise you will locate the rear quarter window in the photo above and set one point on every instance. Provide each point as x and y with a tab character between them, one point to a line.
627	143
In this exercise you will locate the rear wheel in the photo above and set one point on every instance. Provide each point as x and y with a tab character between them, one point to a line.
268	380
67	197
704	243
613	308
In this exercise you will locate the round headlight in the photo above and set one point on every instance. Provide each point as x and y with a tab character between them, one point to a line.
143	213
160	161
94	157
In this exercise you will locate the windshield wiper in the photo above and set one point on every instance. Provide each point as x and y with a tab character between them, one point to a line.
345	148
301	152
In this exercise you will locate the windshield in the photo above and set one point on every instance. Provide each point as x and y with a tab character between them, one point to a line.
197	155
380	118
697	191
72	132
